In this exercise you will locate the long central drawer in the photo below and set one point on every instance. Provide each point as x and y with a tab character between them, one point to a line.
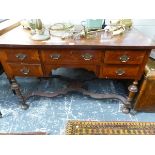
67	56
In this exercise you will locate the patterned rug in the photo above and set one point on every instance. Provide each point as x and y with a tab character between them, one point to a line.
110	128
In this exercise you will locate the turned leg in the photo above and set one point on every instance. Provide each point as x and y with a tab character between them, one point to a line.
10	84
0	114
132	91
15	87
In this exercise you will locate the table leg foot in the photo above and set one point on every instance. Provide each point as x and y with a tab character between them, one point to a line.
15	87
24	106
125	110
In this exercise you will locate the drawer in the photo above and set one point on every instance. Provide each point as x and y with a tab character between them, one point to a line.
124	57
71	56
120	71
25	69
94	68
22	55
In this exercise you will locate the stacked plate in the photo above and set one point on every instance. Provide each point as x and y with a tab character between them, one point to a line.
63	30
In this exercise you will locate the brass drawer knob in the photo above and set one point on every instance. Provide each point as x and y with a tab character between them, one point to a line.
21	56
87	56
120	71
25	71
55	56
124	58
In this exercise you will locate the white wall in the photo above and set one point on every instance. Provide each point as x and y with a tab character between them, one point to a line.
147	26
